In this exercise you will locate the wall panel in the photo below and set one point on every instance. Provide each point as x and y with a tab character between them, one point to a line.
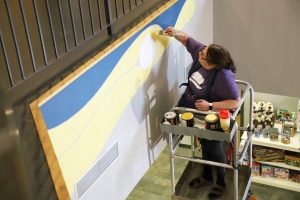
20	38
67	23
5	82
45	30
56	27
86	19
94	8
34	38
8	44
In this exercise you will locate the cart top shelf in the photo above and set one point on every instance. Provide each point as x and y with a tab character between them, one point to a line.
199	129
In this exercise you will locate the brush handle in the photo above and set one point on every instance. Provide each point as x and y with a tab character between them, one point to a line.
162	32
177	34
171	34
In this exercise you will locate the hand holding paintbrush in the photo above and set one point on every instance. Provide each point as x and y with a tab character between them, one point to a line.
179	35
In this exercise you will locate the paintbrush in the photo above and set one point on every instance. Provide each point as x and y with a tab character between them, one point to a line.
162	32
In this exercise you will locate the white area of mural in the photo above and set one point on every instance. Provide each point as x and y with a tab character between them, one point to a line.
147	52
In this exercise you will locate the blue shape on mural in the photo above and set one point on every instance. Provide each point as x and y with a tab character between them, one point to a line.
72	98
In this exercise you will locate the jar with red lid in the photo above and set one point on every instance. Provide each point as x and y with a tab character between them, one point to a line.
224	116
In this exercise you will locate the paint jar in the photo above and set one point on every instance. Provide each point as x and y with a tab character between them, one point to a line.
187	119
224	116
257	132
171	117
265	133
211	121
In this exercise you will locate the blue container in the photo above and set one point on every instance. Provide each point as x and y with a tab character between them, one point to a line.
257	133
265	133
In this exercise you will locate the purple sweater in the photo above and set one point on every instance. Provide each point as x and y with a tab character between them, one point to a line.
224	86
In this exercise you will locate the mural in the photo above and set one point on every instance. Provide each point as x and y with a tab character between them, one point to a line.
80	116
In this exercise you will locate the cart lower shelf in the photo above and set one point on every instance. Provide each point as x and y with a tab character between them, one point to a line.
183	192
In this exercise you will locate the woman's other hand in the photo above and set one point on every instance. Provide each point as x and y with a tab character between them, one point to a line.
202	105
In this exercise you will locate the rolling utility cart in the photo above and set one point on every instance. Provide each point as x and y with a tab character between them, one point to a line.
238	175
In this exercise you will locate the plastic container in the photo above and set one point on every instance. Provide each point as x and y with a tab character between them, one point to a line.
224	116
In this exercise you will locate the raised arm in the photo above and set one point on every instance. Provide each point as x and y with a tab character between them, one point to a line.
192	46
177	34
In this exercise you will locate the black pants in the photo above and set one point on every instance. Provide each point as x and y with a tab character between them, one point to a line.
213	151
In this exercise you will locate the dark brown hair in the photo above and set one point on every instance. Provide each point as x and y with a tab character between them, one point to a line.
218	55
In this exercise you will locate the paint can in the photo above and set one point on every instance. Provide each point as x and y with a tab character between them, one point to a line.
187	119
211	121
171	117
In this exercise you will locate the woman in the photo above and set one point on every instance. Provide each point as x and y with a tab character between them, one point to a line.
211	86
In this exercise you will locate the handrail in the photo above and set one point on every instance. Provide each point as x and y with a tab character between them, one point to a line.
250	89
184	109
241	158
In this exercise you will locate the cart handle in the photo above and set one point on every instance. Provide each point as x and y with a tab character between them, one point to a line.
184	109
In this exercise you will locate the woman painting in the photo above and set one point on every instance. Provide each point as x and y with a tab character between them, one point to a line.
211	86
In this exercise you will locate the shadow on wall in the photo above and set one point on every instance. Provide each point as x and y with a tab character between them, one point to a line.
155	98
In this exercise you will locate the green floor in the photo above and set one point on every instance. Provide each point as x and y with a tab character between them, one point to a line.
156	184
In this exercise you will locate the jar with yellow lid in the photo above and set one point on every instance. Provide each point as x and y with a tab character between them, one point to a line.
187	119
211	121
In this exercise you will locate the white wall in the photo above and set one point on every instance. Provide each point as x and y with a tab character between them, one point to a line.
264	38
